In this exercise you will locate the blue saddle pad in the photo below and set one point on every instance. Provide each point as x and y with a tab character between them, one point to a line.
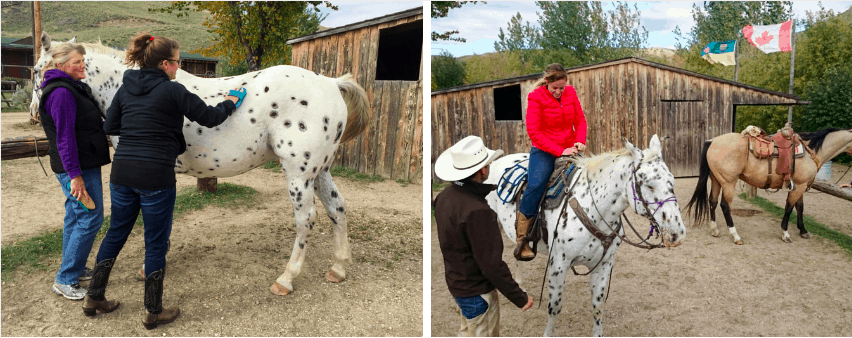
515	176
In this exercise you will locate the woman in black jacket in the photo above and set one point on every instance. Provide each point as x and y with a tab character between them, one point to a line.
147	112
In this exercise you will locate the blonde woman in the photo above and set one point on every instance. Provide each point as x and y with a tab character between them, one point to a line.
556	126
77	149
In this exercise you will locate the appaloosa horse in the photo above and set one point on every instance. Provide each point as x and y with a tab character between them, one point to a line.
726	159
608	184
290	114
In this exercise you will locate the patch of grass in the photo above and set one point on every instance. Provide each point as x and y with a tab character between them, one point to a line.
352	174
39	253
227	196
439	186
403	182
272	165
843	240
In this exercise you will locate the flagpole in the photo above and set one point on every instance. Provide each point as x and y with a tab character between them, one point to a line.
736	59
792	64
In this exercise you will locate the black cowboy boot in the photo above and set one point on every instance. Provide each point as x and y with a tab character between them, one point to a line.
154	302
522	249
95	299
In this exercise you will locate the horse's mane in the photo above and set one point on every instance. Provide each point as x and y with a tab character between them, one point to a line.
592	162
817	138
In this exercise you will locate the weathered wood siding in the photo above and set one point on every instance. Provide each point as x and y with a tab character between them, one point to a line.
392	144
629	98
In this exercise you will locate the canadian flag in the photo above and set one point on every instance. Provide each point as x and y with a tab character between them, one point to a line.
771	38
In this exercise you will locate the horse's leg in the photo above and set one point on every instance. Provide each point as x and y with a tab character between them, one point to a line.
800	221
715	188
599	283
556	282
728	197
305	213
335	208
794	199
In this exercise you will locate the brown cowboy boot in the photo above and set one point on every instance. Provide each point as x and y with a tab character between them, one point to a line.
156	315
522	249
95	299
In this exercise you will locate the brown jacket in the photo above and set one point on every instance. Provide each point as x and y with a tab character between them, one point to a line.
472	245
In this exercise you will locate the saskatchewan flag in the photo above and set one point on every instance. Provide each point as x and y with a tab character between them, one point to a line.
720	52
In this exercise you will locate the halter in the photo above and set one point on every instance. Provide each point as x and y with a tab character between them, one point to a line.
638	197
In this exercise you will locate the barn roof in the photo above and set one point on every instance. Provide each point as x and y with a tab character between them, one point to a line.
366	23
612	63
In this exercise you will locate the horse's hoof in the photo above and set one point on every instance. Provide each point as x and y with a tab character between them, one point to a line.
333	277
806	235
279	289
140	276
786	239
740	242
715	233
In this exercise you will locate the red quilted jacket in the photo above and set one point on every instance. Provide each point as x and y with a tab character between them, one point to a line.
554	125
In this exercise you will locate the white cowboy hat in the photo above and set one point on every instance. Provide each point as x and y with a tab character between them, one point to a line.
464	158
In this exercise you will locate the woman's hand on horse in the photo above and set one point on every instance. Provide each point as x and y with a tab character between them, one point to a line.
569	151
529	304
581	147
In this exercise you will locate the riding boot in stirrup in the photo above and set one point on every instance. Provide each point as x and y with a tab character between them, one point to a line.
95	299
522	249
154	302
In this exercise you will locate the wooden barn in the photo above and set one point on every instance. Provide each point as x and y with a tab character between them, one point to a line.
630	97
384	55
17	56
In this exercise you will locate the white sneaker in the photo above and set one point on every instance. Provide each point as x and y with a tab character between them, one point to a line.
72	292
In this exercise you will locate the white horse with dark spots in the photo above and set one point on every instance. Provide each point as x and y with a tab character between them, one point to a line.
607	185
290	114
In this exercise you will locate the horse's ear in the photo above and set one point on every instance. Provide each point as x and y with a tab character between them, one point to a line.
637	153
73	40
45	41
655	143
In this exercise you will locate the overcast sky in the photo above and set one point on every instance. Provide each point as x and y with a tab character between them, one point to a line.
349	12
480	23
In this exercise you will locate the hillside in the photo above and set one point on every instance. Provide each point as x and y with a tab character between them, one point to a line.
113	22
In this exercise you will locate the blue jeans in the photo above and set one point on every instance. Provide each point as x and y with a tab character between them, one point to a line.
540	168
81	226
472	307
157	208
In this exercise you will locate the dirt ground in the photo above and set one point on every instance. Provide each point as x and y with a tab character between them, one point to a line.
222	262
708	286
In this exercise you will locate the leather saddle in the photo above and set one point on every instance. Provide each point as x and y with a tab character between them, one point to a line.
785	145
564	175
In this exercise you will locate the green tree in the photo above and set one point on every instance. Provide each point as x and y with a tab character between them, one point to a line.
254	31
576	33
441	9
495	66
520	36
446	71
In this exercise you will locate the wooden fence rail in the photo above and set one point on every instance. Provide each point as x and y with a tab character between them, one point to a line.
25	146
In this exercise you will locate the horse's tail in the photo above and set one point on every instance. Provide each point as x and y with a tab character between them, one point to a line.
699	197
356	104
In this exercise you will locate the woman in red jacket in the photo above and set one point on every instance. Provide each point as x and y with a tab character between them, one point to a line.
556	125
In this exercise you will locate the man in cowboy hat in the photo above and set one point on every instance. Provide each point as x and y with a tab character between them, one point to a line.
470	239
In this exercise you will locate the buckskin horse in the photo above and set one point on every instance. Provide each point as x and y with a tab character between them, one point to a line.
727	158
607	185
291	115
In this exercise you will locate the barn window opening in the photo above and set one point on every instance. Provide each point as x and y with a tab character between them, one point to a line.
400	50
507	103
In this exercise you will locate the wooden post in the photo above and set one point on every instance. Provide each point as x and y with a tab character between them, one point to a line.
206	185
36	32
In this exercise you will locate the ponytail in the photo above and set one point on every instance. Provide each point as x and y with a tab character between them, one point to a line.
148	51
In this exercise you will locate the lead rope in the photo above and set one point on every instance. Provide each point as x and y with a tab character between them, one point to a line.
35	144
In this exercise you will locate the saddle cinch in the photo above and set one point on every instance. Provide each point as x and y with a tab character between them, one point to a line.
785	145
513	182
